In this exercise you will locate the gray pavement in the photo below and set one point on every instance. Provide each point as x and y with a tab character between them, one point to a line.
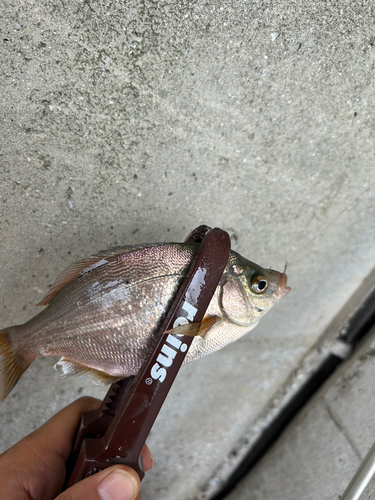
135	122
320	452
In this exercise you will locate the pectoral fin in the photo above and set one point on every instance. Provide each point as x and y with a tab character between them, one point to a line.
195	329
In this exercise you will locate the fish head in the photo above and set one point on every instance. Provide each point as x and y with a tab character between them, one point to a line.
248	291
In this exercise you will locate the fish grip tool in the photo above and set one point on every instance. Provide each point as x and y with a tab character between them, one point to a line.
117	431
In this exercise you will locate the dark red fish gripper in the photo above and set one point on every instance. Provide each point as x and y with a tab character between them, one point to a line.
117	431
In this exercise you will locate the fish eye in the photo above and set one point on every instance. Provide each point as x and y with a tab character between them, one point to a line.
259	284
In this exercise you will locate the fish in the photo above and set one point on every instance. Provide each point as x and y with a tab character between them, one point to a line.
103	312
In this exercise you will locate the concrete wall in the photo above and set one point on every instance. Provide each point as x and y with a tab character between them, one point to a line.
129	122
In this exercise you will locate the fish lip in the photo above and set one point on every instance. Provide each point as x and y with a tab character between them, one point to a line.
282	288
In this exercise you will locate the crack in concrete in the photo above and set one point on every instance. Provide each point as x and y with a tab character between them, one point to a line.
342	429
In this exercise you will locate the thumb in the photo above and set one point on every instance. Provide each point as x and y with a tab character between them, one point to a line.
115	483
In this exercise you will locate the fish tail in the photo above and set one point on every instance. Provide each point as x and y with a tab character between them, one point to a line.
12	365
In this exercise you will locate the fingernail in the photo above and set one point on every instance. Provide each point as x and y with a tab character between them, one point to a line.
118	485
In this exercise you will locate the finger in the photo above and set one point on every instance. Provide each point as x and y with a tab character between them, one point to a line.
148	461
67	420
115	483
58	433
37	462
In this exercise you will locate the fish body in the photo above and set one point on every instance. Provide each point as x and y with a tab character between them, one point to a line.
104	312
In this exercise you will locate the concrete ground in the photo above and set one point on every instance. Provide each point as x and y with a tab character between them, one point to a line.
319	454
132	122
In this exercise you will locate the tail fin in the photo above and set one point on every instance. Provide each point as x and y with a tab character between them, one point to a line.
12	365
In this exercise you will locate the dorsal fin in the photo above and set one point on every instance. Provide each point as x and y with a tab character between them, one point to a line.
85	265
71	273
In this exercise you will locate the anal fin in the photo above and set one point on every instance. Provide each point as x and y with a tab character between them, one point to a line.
67	367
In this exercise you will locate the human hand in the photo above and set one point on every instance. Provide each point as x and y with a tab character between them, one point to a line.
34	468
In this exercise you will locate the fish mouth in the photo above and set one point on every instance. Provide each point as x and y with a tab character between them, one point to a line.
282	288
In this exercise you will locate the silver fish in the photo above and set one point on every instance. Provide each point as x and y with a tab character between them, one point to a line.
104	311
